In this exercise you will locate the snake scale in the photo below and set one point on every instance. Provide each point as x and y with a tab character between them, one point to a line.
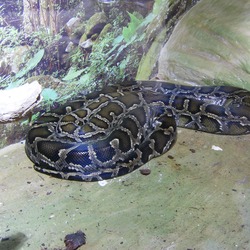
113	131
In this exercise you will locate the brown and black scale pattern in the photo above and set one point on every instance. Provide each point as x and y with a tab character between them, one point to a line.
112	132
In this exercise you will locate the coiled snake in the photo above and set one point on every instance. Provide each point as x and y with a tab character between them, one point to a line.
112	132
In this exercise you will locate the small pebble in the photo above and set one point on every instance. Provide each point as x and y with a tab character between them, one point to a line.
145	171
75	240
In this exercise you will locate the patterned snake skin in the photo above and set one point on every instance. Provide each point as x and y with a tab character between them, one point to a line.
112	132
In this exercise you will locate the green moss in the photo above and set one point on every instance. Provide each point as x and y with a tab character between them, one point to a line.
149	60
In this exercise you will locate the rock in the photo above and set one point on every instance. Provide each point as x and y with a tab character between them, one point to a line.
158	32
84	34
47	81
17	102
94	26
210	45
141	6
74	29
13	58
87	44
72	24
16	130
70	47
107	5
5	69
75	240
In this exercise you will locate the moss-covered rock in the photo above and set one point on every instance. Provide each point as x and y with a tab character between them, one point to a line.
94	26
210	45
160	26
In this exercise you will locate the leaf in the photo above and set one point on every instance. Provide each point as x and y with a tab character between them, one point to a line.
129	31
31	64
149	18
33	118
49	95
72	74
117	40
123	64
15	83
85	79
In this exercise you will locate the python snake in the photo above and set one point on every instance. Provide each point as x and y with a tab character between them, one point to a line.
112	132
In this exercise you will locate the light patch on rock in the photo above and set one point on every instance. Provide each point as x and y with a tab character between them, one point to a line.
217	148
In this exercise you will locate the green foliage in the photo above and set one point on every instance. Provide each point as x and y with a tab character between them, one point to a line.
113	59
129	32
76	58
102	64
157	6
31	64
43	38
9	37
117	40
117	19
49	95
86	80
33	118
73	73
103	68
14	83
11	12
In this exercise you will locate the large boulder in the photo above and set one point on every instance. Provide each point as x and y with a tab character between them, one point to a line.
17	102
94	27
210	45
158	32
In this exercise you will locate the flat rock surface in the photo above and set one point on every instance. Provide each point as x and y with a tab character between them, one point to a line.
196	197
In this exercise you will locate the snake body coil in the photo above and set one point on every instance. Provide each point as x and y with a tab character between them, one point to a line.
112	132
